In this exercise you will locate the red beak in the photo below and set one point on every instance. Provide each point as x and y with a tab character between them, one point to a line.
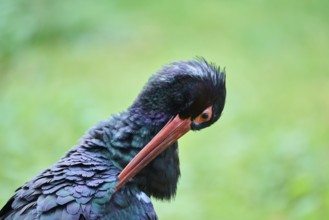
170	133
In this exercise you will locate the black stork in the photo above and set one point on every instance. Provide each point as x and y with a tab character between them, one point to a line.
131	156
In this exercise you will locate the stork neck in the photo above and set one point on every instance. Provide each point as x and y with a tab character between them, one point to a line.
125	134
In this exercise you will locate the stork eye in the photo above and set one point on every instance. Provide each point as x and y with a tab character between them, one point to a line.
204	116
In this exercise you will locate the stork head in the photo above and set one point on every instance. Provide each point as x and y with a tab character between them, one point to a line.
192	93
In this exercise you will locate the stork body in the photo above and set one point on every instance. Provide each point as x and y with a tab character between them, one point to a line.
130	157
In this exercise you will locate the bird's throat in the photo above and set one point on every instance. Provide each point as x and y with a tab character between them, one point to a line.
159	178
127	133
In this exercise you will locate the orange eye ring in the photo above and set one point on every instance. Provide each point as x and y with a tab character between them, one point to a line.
205	116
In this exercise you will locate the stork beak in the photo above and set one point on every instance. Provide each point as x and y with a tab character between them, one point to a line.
171	132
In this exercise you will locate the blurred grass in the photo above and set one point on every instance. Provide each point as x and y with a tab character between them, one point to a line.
64	65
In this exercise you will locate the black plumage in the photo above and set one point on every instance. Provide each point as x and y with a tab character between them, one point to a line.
85	183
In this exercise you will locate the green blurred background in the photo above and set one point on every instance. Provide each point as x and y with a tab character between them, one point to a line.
64	65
